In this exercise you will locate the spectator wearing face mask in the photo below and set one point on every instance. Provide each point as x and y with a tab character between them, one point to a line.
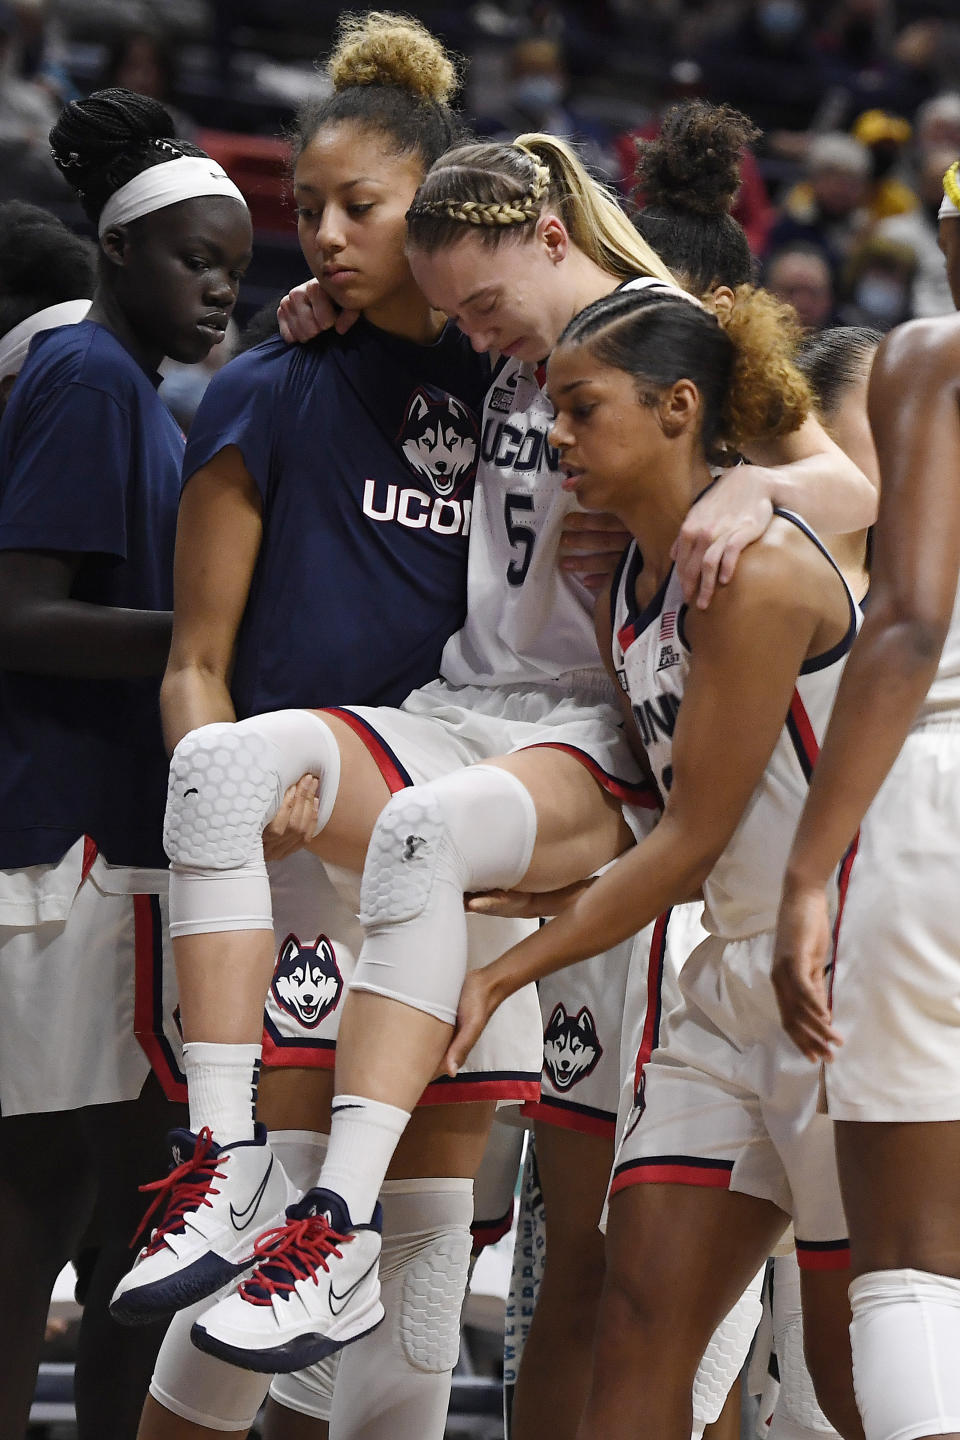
767	65
878	284
538	99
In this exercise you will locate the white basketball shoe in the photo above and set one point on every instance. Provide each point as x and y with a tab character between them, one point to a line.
209	1211
315	1289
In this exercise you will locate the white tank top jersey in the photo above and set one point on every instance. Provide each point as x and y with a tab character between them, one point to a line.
528	621
652	659
943	697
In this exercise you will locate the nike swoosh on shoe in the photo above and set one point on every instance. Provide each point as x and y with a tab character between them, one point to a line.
344	1298
240	1219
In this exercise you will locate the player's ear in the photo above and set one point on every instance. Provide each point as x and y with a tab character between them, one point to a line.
679	408
552	234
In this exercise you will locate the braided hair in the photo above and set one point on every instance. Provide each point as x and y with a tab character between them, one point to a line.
740	361
101	143
501	191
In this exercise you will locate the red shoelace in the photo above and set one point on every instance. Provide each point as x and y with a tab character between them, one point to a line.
294	1251
178	1192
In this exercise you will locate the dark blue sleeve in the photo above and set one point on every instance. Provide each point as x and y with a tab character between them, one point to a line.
66	486
239	408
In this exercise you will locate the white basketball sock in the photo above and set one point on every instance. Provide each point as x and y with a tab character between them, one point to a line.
222	1083
363	1137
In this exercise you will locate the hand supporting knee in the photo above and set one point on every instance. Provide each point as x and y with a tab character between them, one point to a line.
226	784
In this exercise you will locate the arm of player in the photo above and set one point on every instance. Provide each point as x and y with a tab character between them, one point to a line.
806	472
219	531
914	404
746	653
45	631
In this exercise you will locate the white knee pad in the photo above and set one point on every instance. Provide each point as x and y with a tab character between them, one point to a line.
226	784
906	1343
473	830
197	1386
798	1412
726	1355
395	1383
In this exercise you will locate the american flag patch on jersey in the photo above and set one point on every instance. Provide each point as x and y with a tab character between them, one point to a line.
668	626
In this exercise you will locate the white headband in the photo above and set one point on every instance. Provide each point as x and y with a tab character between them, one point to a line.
947	211
15	344
186	178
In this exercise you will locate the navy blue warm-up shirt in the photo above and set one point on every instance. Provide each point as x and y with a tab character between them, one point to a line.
363	449
89	466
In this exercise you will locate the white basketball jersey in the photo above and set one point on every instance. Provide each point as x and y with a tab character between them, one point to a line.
528	621
943	697
742	892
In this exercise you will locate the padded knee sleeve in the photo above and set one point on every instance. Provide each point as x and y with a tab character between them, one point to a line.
226	784
726	1355
200	1388
906	1339
798	1411
395	1383
474	830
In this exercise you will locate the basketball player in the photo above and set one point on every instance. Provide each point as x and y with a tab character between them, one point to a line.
89	477
888	1025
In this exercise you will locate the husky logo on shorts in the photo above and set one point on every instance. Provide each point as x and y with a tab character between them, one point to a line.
307	982
571	1047
439	440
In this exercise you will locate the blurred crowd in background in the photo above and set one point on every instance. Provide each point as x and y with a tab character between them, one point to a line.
858	102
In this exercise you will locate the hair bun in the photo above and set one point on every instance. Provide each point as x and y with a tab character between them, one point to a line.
694	162
383	48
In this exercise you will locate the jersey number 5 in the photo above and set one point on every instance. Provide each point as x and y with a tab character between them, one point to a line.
521	536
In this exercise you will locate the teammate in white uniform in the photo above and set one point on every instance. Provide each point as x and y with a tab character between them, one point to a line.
893	1084
724	1143
538	282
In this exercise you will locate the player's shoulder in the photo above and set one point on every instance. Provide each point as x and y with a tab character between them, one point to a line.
927	348
73	359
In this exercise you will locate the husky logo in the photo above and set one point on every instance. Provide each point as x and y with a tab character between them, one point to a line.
439	441
571	1047
307	982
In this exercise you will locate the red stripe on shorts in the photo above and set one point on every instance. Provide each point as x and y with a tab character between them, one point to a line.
148	997
832	1255
386	762
673	1170
623	790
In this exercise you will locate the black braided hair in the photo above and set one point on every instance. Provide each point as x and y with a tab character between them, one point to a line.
690	175
100	143
42	263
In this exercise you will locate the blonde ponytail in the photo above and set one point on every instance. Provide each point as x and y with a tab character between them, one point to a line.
594	219
501	190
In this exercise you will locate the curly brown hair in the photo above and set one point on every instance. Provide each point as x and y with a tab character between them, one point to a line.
740	360
382	47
